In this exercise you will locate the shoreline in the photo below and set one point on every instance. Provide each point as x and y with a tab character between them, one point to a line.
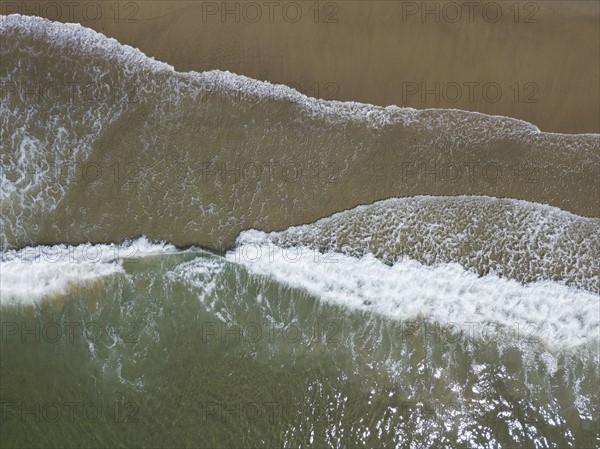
545	82
235	83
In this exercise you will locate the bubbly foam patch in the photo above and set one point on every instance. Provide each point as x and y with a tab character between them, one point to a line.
511	238
42	138
30	274
558	315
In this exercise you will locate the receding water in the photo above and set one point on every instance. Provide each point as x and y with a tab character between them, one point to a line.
101	144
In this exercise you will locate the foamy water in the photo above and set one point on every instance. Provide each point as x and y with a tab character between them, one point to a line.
195	158
510	238
32	273
558	315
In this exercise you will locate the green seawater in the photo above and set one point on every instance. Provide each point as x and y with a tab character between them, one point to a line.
187	349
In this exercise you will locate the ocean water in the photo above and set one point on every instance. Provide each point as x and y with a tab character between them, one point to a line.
206	260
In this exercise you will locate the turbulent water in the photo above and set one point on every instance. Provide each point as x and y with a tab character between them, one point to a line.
457	306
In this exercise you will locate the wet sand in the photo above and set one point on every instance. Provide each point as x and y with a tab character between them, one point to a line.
537	61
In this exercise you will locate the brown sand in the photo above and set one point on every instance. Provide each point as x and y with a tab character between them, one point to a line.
546	60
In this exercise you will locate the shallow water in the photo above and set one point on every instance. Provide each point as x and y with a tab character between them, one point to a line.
103	144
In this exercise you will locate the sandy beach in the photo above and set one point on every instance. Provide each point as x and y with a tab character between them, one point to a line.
500	58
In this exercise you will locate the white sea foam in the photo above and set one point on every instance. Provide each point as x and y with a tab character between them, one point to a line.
558	315
29	274
511	238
